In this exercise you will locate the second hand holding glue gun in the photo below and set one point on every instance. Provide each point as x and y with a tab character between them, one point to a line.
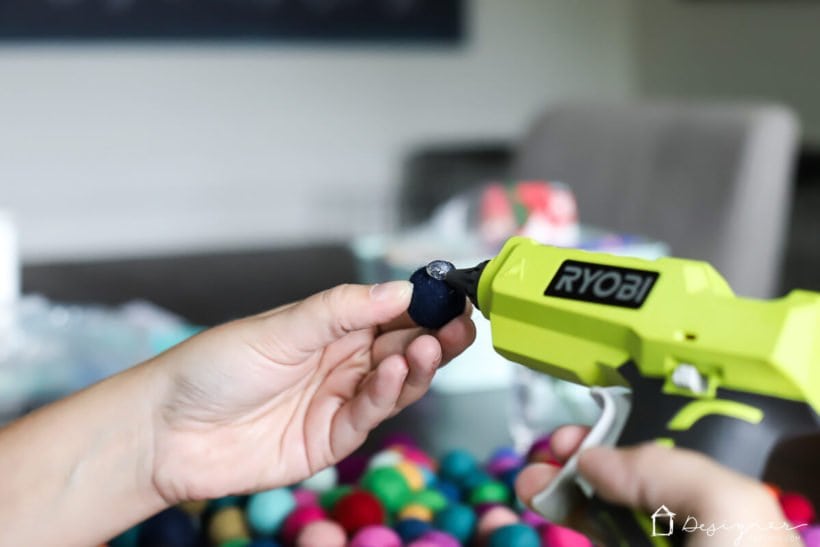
671	355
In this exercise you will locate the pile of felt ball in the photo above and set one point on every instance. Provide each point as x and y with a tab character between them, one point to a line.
399	496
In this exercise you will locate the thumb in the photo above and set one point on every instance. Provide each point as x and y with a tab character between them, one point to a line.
687	482
325	317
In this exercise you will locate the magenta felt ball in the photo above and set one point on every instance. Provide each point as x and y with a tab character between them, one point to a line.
352	468
558	536
398	439
541	451
498	466
418	457
811	536
303	497
797	508
531	518
375	536
435	538
298	519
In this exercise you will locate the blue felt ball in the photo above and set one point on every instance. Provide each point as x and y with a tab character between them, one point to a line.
434	302
508	477
448	489
170	528
474	479
457	520
266	511
264	542
514	535
411	529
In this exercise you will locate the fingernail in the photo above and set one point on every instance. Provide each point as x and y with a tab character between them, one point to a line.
392	290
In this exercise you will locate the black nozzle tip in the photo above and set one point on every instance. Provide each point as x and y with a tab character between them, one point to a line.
466	280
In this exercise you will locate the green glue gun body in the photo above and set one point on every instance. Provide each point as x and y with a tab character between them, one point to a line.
671	355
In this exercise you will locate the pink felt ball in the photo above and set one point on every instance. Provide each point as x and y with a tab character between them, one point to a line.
558	536
482	508
298	519
797	508
494	518
375	536
322	533
303	497
436	538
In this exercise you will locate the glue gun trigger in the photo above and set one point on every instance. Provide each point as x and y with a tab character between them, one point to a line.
564	493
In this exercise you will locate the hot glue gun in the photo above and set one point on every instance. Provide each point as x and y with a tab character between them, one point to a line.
669	352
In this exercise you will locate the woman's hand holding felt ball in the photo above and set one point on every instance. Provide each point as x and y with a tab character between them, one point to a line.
269	400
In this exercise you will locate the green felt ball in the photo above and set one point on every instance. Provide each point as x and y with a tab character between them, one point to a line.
236	542
328	498
432	499
490	492
389	485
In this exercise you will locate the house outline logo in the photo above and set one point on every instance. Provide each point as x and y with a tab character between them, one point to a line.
663	523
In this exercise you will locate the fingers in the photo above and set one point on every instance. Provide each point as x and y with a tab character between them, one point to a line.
373	403
564	442
650	475
455	337
425	353
327	316
534	479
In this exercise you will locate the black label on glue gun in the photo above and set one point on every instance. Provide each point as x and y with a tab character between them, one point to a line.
602	284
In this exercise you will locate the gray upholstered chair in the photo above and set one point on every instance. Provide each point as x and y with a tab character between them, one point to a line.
713	181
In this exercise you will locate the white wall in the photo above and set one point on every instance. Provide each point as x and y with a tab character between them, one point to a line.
727	49
138	149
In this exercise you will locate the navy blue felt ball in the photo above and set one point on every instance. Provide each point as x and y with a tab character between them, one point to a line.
434	302
170	528
411	529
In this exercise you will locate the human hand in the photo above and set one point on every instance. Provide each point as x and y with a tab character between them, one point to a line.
269	400
690	484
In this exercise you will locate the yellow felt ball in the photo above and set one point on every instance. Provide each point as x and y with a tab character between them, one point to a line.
227	523
193	508
412	474
415	511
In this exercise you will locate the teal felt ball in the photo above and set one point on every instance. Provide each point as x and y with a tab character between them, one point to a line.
457	466
266	511
457	520
434	303
514	535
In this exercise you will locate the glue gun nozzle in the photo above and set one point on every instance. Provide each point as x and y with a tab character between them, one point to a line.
466	280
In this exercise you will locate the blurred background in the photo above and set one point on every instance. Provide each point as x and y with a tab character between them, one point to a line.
166	135
219	158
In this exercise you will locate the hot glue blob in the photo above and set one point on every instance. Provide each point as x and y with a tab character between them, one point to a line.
434	302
